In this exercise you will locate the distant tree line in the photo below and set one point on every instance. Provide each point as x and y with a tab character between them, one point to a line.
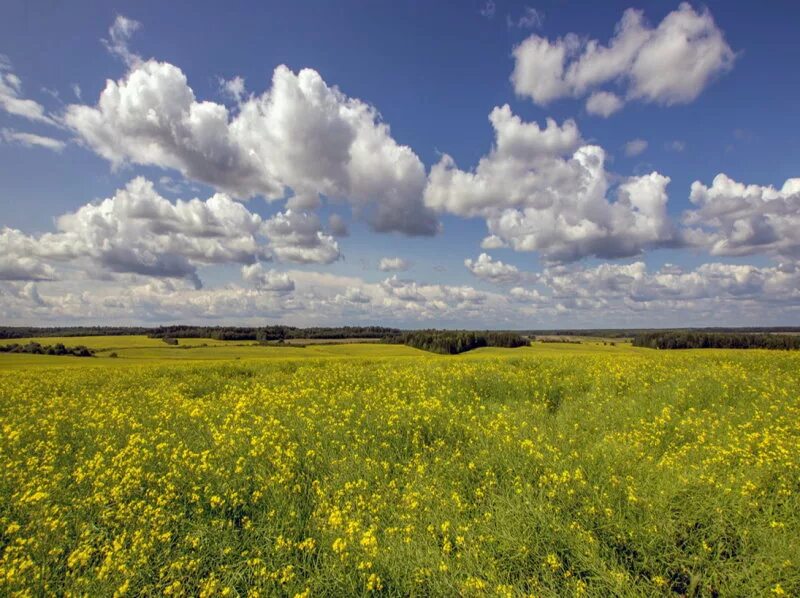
269	333
631	332
279	332
677	339
451	342
64	331
221	333
228	333
38	349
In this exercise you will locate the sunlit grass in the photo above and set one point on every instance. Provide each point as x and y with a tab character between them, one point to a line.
140	350
547	471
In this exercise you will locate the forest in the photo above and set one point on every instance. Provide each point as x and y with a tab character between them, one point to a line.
39	349
269	333
632	332
442	341
8	332
715	340
226	333
452	342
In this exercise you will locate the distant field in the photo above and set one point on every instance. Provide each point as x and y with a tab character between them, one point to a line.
329	341
137	350
582	339
356	469
133	350
140	341
112	342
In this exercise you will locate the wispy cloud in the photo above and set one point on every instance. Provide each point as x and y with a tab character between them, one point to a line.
530	19
119	34
489	9
32	140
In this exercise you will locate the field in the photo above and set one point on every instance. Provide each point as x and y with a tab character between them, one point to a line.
337	470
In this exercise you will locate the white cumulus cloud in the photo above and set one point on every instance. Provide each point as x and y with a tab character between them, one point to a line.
492	242
635	147
604	103
543	189
297	236
668	64
492	270
137	231
267	280
301	134
18	260
731	218
393	264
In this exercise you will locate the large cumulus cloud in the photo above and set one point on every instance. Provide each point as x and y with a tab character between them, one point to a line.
18	259
137	231
544	189
732	218
668	64
300	134
487	268
297	236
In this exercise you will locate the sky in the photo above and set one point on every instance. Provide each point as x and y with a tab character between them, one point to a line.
475	164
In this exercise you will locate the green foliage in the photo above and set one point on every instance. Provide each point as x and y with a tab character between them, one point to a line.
715	340
226	333
452	342
631	332
7	332
270	333
39	349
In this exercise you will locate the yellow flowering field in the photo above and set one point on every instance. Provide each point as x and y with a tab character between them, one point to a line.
505	473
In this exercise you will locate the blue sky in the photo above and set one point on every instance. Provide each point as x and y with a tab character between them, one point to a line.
721	102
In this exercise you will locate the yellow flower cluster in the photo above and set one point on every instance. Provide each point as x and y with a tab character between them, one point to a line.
651	473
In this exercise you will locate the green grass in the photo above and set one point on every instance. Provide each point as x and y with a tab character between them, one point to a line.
354	469
139	350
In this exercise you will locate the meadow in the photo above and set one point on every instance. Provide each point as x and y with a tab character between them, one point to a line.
234	469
